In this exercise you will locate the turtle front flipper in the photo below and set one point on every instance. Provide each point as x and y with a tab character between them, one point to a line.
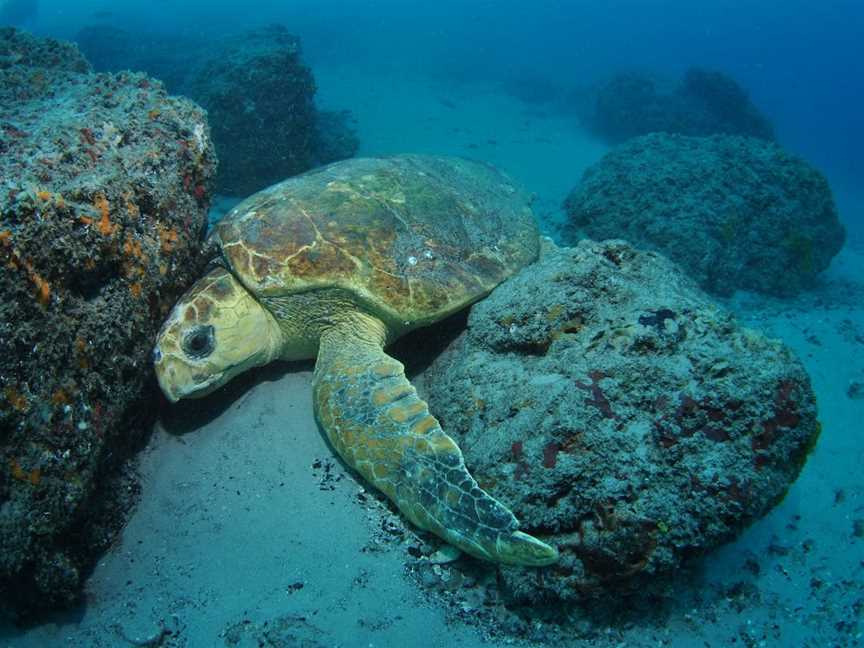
376	422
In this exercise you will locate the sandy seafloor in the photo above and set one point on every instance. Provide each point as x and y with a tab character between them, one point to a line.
249	532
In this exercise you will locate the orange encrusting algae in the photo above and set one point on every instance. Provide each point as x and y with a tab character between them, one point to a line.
167	238
81	351
33	476
105	226
43	288
16	399
132	247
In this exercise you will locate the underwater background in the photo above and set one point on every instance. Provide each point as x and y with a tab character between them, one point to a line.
798	60
248	531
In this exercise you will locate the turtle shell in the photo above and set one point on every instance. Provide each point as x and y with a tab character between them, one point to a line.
412	237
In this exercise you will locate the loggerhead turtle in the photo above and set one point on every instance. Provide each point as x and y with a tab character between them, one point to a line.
335	264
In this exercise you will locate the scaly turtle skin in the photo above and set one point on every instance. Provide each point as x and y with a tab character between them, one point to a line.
336	264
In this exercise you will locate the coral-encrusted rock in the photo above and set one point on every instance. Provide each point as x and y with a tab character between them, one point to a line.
625	418
334	138
258	92
105	184
705	102
735	212
259	98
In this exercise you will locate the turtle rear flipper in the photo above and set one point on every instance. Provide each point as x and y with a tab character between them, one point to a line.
376	422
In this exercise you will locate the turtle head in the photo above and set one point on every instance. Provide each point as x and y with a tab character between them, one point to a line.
216	331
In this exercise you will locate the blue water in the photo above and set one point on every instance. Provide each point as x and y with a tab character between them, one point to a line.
801	61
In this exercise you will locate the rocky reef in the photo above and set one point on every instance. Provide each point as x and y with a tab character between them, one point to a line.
105	187
624	417
258	93
704	102
738	213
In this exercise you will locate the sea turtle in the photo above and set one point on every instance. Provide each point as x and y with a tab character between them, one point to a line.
337	263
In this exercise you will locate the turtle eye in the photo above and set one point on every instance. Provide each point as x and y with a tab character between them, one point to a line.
199	342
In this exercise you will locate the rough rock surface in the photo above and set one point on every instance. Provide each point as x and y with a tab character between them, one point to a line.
334	137
104	193
735	212
258	92
259	100
623	416
705	102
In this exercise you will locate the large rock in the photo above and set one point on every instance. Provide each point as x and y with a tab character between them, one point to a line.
104	194
704	102
623	416
735	212
258	93
259	99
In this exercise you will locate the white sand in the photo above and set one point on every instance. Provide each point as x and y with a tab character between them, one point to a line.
543	150
236	525
233	519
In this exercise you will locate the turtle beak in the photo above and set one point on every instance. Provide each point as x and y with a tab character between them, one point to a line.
164	375
169	373
178	380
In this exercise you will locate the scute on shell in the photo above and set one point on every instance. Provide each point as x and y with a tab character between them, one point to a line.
416	237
